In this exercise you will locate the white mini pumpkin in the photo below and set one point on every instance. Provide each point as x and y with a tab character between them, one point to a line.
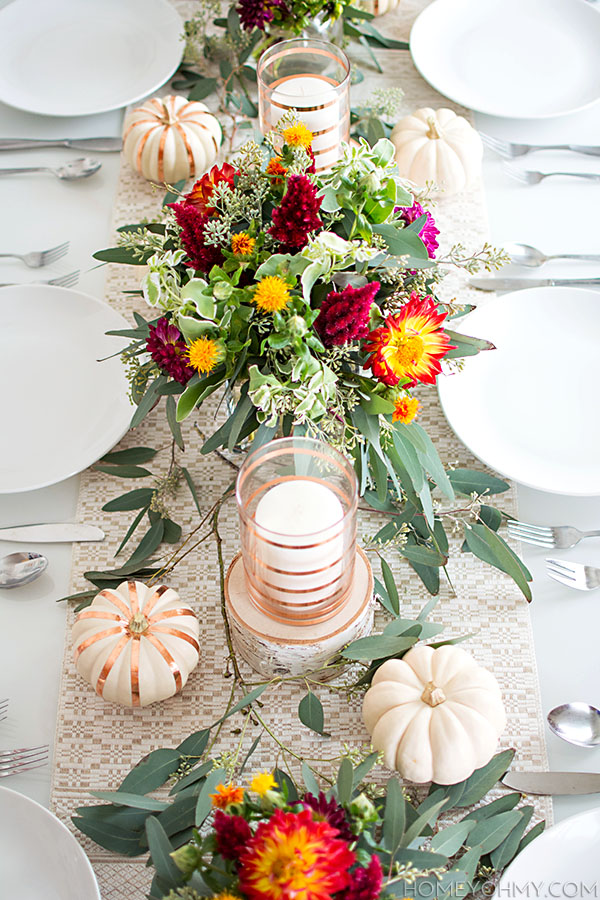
171	138
136	645
379	7
436	714
438	146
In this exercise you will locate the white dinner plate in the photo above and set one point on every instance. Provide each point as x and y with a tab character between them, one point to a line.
60	409
530	59
78	57
531	408
562	862
39	857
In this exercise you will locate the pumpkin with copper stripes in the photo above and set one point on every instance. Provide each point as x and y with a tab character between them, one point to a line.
136	645
171	138
378	7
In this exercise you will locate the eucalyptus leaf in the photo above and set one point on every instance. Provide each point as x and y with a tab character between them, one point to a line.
377	646
363	769
450	839
394	819
429	811
310	782
160	850
192	777
310	712
483	780
469	481
118	840
490	832
502	804
122	798
174	425
124	471
138	499
345	782
204	802
488	546
195	744
531	835
505	852
151	772
132	456
181	813
149	543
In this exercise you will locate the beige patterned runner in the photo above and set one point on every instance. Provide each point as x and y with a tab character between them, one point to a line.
97	743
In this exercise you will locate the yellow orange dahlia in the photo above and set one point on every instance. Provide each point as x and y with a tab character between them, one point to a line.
242	244
292	857
405	410
410	345
263	782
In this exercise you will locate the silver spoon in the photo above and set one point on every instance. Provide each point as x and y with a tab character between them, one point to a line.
71	171
577	723
525	255
21	568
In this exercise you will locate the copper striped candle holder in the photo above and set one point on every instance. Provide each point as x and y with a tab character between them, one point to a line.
313	78
297	500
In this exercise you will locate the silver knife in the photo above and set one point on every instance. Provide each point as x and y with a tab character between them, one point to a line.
519	284
553	782
99	144
55	533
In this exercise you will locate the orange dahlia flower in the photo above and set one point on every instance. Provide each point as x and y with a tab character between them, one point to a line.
201	193
405	410
292	857
226	795
410	345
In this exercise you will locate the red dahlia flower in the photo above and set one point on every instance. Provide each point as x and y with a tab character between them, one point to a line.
233	834
331	812
168	350
297	215
428	232
409	345
202	191
344	316
192	222
365	883
292	857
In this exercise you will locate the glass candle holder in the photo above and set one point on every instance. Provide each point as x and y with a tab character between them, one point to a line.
313	78
297	500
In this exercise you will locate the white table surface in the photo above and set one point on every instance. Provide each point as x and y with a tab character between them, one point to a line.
38	212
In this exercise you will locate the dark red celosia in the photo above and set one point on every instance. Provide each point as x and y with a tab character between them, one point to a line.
258	13
232	833
331	812
428	232
344	315
169	351
192	223
365	883
297	215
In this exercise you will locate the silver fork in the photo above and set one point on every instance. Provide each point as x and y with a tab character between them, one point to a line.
62	280
558	537
13	762
3	709
530	176
575	575
510	150
38	258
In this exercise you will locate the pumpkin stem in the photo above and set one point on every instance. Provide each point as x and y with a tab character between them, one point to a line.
138	624
432	695
433	133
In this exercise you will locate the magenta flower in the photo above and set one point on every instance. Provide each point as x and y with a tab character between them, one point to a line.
192	222
331	812
428	232
258	13
169	351
365	883
344	315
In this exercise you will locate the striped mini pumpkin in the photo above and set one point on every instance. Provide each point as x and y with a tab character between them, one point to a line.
136	645
171	138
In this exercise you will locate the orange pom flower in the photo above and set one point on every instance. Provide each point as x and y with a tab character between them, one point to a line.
292	857
276	169
242	244
226	795
205	353
406	408
410	345
298	136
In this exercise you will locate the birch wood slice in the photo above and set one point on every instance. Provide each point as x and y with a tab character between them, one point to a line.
278	648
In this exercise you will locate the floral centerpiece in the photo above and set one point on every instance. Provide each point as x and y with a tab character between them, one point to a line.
309	299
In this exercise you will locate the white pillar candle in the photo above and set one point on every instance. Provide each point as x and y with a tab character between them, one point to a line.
299	543
319	107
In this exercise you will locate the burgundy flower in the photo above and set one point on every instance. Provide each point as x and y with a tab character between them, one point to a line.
258	13
428	232
169	351
365	883
297	215
192	222
331	812
233	833
344	316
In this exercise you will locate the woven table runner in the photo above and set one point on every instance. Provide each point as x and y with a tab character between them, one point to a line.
97	743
